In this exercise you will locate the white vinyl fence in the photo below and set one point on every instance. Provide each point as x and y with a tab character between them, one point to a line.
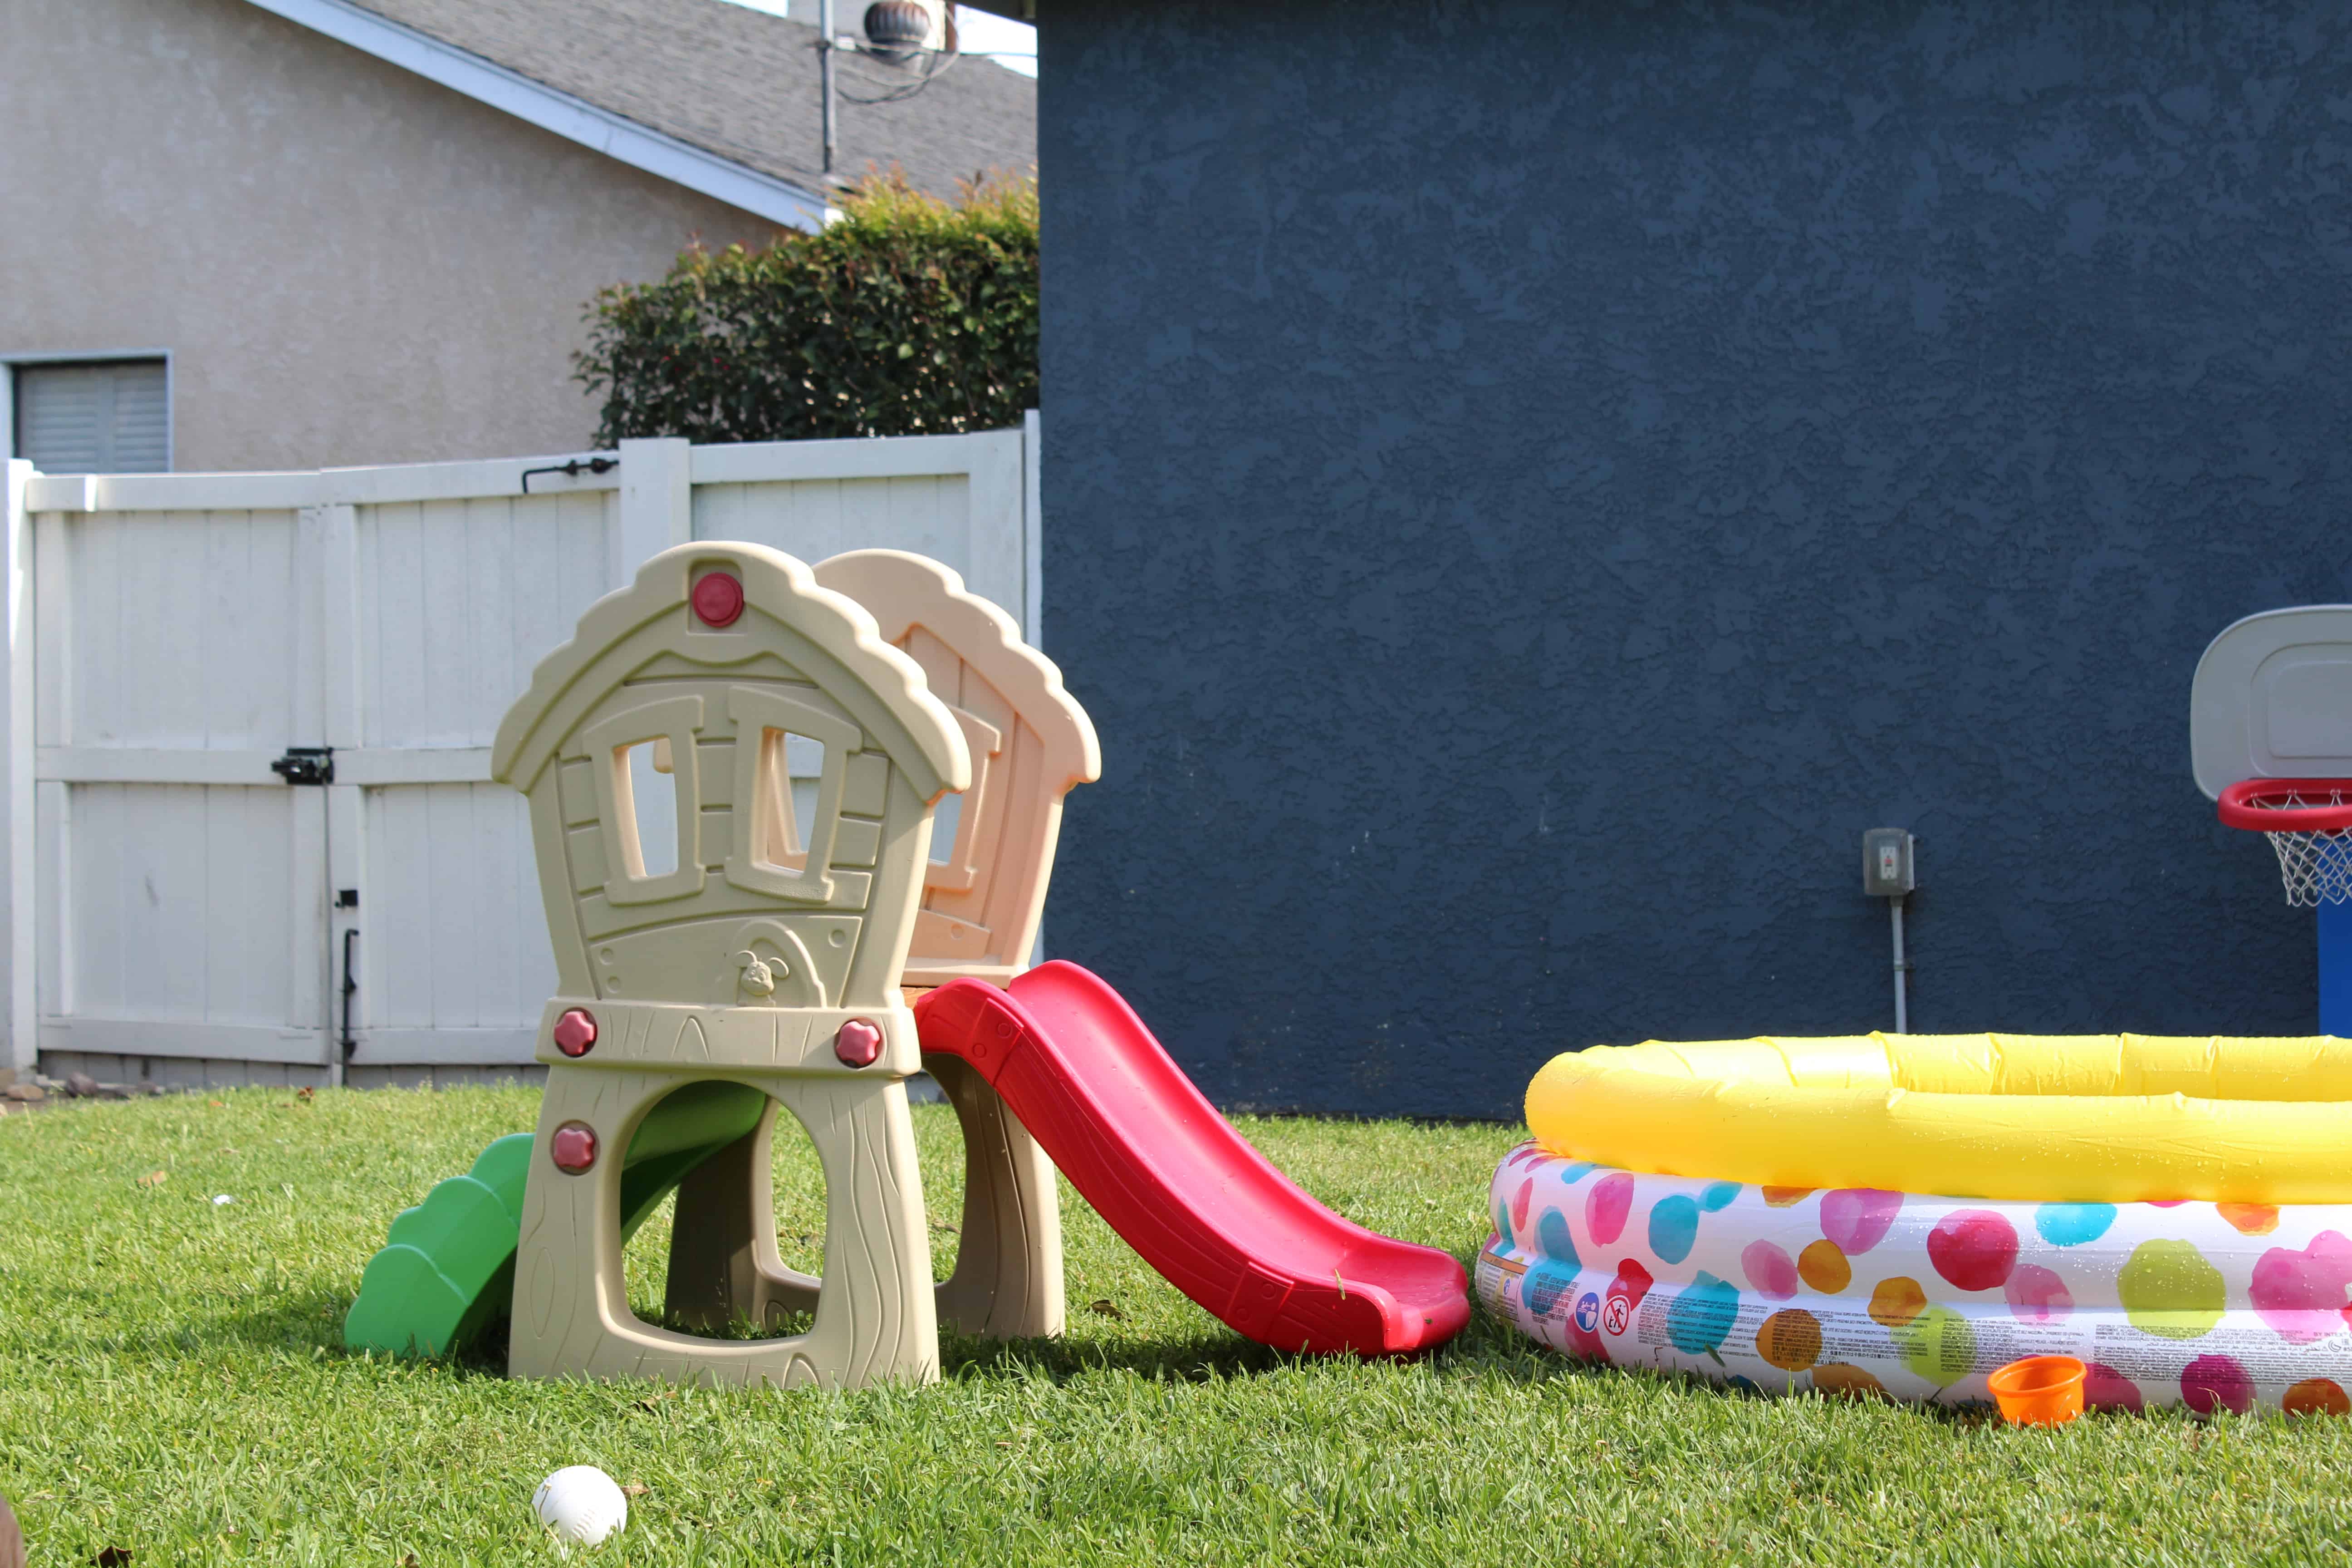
190	896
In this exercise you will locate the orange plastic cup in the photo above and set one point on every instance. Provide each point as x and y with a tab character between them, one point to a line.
2040	1391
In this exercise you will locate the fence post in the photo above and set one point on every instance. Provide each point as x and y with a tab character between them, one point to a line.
333	534
1033	549
18	1056
656	503
1033	572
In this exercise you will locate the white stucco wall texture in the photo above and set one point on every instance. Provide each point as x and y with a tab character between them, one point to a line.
347	264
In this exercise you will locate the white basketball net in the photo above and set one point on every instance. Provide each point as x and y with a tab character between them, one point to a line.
2317	866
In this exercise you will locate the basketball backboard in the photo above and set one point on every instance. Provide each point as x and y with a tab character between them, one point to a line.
2273	699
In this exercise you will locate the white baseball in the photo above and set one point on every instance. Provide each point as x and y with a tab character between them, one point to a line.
580	1503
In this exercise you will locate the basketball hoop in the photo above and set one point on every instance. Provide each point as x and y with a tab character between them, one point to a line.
2309	824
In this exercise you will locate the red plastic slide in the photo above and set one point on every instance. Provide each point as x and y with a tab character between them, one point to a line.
1154	1158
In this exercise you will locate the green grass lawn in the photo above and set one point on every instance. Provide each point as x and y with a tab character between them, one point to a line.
171	1383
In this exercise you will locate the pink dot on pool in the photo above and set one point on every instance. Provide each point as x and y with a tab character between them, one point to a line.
2216	1381
1606	1206
2301	1295
1772	1272
2036	1295
2105	1388
1973	1249
1520	1205
718	598
1856	1218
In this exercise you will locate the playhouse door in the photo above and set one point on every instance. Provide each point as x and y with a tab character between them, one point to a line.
180	879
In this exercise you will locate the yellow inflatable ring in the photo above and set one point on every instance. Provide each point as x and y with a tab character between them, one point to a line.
2067	1118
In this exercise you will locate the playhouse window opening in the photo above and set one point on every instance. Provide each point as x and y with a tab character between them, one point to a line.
946	819
790	767
649	822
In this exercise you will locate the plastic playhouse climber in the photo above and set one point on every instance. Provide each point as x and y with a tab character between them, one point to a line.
809	724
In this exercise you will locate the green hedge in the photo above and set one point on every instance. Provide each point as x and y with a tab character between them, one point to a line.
910	316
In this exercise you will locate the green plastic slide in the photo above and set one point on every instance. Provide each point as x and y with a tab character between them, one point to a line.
446	1270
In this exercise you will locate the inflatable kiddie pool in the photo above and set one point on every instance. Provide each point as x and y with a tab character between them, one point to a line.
2175	1212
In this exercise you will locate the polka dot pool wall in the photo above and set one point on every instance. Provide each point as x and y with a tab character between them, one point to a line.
1858	1291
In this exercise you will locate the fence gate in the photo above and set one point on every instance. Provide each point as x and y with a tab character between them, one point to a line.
182	883
263	830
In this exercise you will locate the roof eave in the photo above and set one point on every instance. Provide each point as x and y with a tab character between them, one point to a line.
575	120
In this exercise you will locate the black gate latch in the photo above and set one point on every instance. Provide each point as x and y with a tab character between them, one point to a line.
306	765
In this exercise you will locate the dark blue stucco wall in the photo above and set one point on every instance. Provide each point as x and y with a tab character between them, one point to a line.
1527	485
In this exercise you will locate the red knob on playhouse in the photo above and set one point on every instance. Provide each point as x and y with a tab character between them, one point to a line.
718	598
573	1147
575	1032
859	1044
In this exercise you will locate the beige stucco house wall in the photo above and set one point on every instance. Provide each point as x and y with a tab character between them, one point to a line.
345	262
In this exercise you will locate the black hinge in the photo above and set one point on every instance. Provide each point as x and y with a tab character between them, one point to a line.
306	765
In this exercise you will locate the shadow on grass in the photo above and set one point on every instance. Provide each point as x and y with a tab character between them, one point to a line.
303	1324
1203	1357
291	1321
1485	1348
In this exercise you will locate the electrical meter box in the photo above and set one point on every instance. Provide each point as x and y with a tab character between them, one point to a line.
1886	864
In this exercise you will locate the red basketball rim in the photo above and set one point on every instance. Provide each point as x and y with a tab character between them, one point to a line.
2288	805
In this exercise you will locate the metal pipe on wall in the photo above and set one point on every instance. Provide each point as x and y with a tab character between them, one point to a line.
825	51
1889	871
1902	971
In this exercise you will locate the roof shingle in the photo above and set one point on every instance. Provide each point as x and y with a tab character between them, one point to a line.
739	83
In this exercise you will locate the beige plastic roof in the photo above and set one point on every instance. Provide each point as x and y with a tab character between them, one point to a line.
570	681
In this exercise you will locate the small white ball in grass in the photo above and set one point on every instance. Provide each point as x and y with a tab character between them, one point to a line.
581	1504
